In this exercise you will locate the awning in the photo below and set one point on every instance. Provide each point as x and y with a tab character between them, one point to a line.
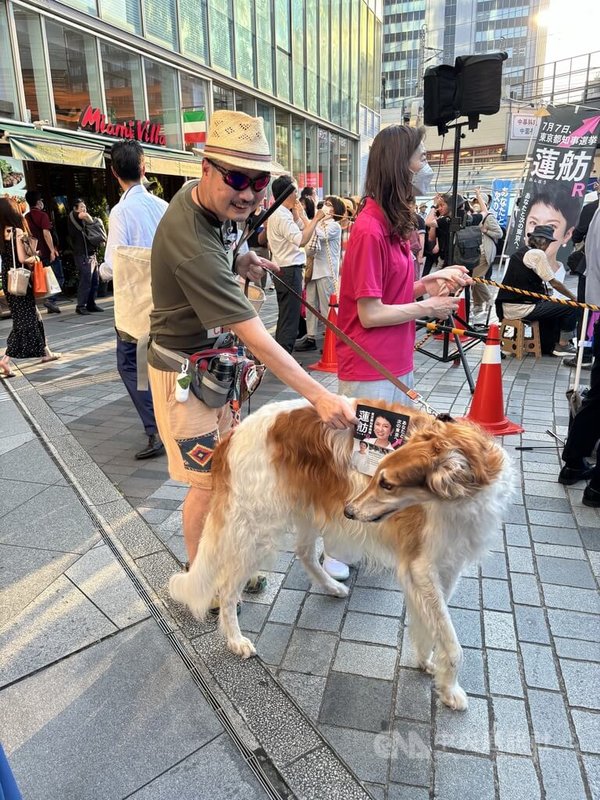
52	148
72	149
163	165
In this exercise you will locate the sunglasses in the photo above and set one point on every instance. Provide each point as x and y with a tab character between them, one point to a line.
239	180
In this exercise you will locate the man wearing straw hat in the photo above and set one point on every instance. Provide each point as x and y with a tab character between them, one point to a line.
196	293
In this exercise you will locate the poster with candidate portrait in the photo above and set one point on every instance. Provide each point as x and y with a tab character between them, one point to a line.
555	187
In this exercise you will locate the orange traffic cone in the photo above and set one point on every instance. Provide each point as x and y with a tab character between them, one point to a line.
460	312
328	361
487	408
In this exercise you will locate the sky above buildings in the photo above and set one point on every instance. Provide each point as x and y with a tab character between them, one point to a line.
572	28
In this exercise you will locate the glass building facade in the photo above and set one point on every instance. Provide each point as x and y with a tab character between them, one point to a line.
311	68
422	33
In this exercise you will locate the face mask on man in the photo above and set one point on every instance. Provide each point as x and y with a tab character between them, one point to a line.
421	180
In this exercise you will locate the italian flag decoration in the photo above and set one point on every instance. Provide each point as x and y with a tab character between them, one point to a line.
194	126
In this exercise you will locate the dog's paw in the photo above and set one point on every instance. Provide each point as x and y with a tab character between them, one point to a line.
454	697
427	665
177	587
337	589
242	647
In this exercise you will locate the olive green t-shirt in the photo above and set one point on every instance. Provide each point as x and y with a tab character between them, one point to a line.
193	287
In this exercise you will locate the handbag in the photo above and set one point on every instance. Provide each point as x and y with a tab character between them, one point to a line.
308	268
18	277
51	281
40	284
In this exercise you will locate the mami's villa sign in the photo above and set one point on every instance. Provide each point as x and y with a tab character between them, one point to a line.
92	119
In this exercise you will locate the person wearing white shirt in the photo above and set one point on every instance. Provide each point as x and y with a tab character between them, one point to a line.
326	246
288	230
133	222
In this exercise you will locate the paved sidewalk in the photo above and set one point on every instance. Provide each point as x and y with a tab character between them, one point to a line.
95	701
334	693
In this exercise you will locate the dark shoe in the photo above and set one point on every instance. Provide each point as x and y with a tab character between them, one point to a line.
52	307
591	497
572	362
215	608
93	308
256	585
307	344
82	310
155	448
562	350
570	475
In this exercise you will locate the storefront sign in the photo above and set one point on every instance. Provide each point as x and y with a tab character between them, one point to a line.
312	179
559	172
523	126
501	193
144	131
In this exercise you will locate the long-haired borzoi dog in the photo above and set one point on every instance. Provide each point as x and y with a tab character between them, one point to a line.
427	512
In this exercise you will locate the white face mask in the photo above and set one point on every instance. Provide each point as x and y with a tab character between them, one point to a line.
421	180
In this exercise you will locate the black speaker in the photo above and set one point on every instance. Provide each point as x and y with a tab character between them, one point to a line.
439	93
479	83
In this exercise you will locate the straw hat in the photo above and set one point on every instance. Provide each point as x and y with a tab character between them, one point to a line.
238	140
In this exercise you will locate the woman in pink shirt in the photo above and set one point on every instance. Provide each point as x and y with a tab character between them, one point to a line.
377	305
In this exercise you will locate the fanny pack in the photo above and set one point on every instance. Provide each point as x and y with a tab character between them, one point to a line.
217	376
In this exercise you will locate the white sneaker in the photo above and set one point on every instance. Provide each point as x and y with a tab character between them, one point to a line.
335	569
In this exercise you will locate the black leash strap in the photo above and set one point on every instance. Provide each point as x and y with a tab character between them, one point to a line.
254	222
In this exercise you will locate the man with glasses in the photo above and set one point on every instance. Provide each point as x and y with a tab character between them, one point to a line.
197	294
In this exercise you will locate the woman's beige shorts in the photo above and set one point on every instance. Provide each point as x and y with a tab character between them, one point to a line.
189	431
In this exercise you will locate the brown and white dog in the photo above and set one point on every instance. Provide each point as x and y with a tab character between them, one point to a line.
427	512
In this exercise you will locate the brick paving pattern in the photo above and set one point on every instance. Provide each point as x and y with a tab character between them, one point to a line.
527	617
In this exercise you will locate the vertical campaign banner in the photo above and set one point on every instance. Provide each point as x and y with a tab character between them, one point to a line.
501	193
555	187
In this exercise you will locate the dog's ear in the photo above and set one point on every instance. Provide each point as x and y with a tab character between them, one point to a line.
450	475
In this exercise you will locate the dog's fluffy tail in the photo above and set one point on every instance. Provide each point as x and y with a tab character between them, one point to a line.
196	588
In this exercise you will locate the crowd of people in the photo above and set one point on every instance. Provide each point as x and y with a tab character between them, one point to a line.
386	260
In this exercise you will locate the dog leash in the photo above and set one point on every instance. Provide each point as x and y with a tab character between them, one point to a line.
360	351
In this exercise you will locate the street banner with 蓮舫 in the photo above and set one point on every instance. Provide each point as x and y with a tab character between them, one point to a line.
501	193
556	183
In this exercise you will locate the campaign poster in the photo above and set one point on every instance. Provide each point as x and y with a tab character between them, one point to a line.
501	195
556	183
377	433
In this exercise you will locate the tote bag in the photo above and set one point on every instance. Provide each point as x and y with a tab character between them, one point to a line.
18	277
51	281
40	284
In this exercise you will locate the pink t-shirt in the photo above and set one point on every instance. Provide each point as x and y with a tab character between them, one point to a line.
375	265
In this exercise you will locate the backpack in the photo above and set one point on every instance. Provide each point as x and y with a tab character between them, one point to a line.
467	246
93	234
132	290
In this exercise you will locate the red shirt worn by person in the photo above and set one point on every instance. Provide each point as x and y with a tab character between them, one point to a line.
39	222
375	265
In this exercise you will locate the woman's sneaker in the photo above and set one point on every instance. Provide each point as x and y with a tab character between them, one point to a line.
335	569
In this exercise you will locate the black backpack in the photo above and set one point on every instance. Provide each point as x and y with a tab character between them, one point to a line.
467	246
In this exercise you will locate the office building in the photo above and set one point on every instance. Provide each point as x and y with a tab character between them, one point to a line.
422	33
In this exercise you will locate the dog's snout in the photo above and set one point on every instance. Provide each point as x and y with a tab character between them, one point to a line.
348	512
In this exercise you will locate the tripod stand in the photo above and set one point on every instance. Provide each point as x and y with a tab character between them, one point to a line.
457	355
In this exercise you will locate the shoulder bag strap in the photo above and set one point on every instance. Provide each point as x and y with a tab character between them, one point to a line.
12	238
81	231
